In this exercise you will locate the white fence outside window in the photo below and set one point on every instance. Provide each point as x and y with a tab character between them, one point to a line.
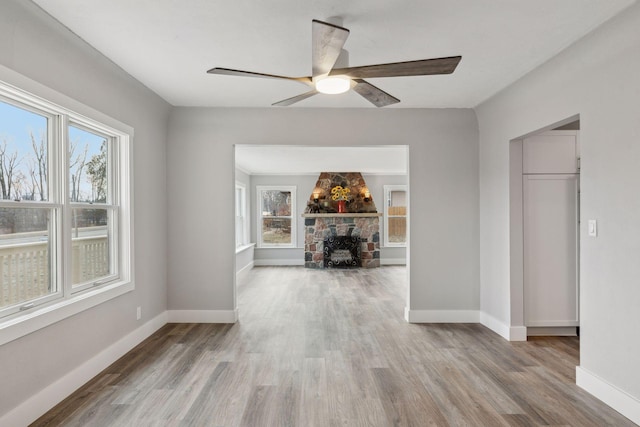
24	263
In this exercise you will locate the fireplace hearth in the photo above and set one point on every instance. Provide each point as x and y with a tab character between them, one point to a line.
342	252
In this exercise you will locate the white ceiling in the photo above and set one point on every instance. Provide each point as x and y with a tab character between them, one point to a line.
297	160
169	44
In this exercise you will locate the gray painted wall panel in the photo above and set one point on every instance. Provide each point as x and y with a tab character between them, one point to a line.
443	180
596	78
39	48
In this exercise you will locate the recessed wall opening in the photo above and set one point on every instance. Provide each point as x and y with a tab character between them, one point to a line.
544	230
277	197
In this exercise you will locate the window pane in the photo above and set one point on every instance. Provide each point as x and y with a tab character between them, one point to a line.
276	230
90	243
276	203
23	154
397	230
398	203
25	257
88	166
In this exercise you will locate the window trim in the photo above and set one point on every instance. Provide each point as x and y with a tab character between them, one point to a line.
388	189
244	240
64	109
259	217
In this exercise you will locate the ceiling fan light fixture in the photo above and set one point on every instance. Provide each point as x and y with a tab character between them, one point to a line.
333	85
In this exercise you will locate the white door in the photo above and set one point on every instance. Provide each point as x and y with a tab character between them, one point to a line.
551	250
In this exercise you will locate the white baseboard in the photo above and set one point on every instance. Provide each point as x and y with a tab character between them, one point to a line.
37	405
442	316
517	333
495	325
393	261
242	273
202	316
619	400
511	333
278	262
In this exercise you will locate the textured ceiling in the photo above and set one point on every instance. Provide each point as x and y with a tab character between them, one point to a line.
169	44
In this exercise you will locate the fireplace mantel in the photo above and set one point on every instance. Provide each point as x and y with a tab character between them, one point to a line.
341	215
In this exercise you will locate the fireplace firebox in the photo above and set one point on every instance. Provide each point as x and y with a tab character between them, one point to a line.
342	252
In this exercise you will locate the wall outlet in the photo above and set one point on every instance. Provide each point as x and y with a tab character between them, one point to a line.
138	313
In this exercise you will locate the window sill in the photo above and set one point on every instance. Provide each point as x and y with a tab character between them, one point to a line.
244	247
41	317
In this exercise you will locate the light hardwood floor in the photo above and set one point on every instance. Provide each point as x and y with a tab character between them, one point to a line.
330	348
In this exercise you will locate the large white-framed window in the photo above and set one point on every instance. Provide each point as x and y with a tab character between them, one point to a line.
276	207
65	210
395	215
242	219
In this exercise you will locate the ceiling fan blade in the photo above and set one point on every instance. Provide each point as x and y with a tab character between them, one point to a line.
294	99
241	73
373	94
421	67
326	41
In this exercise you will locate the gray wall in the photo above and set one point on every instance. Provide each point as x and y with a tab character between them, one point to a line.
443	178
38	47
597	78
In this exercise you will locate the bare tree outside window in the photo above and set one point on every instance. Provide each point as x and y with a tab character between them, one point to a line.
97	171
8	165
76	168
38	167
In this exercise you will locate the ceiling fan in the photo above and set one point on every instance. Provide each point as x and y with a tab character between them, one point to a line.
331	74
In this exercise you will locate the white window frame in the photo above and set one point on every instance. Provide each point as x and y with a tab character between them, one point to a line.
29	316
388	189
110	205
242	219
292	190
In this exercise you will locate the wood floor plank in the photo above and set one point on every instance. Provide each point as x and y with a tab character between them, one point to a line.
314	403
287	400
260	409
331	348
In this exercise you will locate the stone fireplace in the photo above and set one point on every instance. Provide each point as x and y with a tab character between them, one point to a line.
336	239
